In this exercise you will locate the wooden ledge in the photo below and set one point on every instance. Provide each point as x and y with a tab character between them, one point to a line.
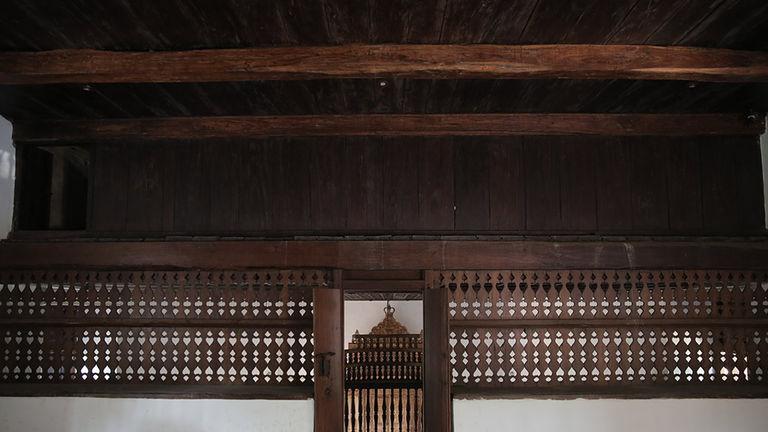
387	255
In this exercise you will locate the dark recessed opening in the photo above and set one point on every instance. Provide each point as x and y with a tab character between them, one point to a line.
53	189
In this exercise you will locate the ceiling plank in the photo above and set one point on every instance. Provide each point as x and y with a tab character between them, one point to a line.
368	61
195	128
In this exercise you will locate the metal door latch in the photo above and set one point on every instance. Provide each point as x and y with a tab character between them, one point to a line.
323	361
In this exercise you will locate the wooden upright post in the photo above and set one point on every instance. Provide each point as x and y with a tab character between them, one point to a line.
329	356
437	390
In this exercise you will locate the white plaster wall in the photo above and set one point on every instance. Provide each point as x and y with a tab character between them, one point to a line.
150	415
7	177
363	315
654	415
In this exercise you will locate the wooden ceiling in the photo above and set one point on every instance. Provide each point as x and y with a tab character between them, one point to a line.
156	25
34	25
346	96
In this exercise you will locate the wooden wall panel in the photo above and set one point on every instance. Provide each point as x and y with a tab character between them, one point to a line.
542	182
578	195
168	154
684	185
293	180
400	176
731	184
256	186
614	190
326	185
506	184
145	188
363	183
224	185
192	197
648	176
110	188
515	185
436	188
471	184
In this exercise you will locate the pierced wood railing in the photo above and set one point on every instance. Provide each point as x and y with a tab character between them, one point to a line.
194	333
596	333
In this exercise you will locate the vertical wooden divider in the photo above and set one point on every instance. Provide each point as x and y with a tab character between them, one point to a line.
329	356
437	384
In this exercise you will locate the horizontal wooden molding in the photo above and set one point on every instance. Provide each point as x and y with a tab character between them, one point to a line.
191	128
384	286
605	323
370	61
159	391
633	391
387	254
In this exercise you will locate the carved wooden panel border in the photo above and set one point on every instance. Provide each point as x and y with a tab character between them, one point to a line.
129	329
597	332
157	355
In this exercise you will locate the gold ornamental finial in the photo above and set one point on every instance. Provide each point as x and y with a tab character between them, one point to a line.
389	325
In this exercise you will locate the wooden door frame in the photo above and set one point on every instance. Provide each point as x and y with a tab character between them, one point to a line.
437	373
328	329
329	378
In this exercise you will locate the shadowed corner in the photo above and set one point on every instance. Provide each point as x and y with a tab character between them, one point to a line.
764	153
7	177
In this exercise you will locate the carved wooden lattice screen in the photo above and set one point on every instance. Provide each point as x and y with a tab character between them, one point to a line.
237	334
592	333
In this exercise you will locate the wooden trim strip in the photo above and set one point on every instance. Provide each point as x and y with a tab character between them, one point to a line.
614	390
245	127
162	391
389	286
387	254
608	323
371	61
172	323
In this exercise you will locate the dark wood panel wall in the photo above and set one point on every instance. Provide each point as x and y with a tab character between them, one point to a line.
646	185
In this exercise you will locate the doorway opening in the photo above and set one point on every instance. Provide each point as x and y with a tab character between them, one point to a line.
384	352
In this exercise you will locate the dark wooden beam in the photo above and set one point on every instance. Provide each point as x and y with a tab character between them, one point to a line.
191	128
366	61
393	255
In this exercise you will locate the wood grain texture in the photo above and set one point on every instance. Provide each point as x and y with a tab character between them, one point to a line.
201	128
560	61
328	331
360	186
389	255
121	25
437	380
